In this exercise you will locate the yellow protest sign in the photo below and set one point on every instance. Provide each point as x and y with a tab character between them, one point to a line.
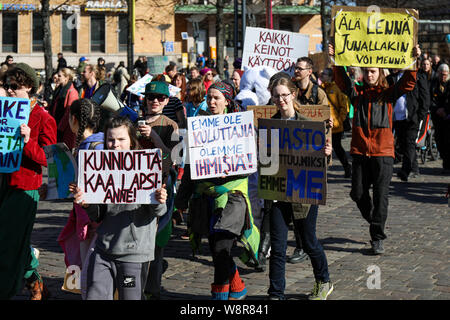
384	38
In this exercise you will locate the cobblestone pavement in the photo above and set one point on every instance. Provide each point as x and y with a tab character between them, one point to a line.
415	265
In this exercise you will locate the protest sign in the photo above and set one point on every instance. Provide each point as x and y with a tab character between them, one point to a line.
222	145
262	112
13	112
126	176
384	38
273	48
157	64
62	170
138	88
302	165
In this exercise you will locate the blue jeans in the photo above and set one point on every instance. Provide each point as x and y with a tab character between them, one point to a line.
280	217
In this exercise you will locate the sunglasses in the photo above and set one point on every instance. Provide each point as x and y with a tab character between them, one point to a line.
152	97
12	86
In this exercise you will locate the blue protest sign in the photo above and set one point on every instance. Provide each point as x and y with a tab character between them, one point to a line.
13	112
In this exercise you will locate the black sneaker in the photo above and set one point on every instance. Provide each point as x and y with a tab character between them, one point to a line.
298	256
402	175
377	247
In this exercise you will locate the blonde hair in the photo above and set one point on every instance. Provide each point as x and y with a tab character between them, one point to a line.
68	73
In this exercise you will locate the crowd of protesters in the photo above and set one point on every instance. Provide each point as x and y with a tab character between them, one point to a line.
95	236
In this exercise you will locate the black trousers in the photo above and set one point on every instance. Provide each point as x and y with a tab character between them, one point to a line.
406	132
442	137
220	244
375	172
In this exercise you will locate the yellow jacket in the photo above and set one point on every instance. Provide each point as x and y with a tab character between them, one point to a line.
339	105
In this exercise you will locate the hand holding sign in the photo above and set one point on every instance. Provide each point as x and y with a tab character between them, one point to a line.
25	132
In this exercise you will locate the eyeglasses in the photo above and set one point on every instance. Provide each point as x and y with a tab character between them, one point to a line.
152	97
301	69
284	96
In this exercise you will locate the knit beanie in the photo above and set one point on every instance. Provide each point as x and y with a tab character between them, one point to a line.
30	72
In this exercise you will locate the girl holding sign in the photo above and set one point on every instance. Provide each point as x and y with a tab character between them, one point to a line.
284	93
19	194
78	233
126	236
220	208
372	146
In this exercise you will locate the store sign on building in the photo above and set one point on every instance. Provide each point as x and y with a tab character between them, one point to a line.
17	7
117	5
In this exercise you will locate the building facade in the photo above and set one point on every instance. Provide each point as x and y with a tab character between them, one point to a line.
96	29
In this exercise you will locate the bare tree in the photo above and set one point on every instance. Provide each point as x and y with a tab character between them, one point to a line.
220	36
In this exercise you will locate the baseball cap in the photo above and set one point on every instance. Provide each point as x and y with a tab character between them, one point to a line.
83	59
157	87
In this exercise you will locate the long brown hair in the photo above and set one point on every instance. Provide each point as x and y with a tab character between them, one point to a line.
118	121
292	88
183	85
87	113
197	91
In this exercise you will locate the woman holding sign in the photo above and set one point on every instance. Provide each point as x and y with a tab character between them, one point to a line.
284	93
19	194
372	145
220	208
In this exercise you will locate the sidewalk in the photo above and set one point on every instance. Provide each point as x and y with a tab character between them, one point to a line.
415	265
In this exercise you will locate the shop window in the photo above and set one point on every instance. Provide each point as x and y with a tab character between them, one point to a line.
123	33
9	32
38	33
97	33
69	33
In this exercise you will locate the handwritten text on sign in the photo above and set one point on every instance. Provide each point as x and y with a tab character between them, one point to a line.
13	112
273	48
222	145
109	176
376	39
301	177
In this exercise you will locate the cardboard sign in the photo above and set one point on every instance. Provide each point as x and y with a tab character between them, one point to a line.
222	145
262	112
302	171
109	176
366	38
273	48
62	170
13	112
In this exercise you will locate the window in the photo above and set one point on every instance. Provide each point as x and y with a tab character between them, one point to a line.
9	32
69	32
38	33
123	33
97	33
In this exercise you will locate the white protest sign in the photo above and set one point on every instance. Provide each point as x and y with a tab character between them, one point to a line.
222	145
138	88
127	176
273	48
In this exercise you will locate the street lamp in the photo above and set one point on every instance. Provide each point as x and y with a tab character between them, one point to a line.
163	28
195	19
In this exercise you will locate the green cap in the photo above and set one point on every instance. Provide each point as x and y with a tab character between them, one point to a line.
30	72
157	87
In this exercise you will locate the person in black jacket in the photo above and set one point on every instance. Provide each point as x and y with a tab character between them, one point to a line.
409	110
62	63
440	114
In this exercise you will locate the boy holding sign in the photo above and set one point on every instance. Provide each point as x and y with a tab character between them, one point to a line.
19	194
